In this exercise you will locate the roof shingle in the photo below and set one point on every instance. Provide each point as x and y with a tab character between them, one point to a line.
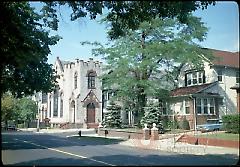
189	90
225	58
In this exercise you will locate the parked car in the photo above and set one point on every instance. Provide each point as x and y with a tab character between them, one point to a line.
11	127
211	125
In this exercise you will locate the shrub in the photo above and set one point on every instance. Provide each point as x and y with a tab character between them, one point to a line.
185	124
231	123
165	122
173	124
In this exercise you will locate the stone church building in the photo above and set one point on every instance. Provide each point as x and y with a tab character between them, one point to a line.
76	102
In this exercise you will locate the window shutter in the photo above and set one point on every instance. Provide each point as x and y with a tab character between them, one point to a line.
204	77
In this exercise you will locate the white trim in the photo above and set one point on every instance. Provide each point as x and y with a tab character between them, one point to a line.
184	106
208	106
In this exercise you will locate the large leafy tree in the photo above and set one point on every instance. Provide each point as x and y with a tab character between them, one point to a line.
8	108
17	109
143	62
27	110
125	15
24	47
25	42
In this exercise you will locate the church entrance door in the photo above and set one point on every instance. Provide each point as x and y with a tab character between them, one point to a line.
90	113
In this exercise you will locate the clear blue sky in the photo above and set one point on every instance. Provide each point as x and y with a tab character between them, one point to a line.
222	20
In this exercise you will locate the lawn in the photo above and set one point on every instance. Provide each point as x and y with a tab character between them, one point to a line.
221	135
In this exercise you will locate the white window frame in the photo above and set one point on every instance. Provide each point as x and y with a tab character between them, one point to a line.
186	104
191	78
208	105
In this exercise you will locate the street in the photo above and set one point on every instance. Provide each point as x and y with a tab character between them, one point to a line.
38	149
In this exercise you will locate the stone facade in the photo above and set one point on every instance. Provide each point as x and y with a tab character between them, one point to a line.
78	98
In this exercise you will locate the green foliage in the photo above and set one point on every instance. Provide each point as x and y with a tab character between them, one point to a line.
8	107
173	124
185	124
18	110
24	47
27	109
143	63
113	117
152	114
231	123
128	15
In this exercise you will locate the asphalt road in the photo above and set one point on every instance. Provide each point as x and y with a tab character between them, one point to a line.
32	149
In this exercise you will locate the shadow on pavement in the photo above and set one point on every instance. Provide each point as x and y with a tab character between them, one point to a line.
9	141
137	160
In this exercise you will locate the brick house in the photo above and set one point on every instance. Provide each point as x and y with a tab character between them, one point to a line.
208	92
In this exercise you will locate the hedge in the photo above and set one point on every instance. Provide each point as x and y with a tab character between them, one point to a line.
231	123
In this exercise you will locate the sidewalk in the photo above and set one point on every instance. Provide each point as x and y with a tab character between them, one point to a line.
179	147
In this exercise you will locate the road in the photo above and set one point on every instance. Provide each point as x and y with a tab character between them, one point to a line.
35	149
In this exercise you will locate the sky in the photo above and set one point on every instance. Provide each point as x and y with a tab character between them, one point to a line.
221	19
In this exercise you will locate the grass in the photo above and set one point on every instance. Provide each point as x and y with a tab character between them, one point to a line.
225	136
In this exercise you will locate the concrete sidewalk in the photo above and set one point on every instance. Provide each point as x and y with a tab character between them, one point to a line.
171	146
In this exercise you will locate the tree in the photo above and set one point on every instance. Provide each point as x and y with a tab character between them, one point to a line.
128	15
17	109
24	47
113	117
143	65
152	114
8	108
27	110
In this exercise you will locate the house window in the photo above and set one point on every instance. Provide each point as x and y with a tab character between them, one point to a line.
91	80
189	79
205	106
219	73
194	78
200	77
55	103
237	77
199	106
187	107
211	105
163	107
75	81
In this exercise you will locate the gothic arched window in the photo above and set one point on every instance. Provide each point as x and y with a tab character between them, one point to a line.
61	105
91	80
75	80
55	103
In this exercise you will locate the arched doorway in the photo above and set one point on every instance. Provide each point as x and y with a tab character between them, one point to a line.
90	113
72	112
